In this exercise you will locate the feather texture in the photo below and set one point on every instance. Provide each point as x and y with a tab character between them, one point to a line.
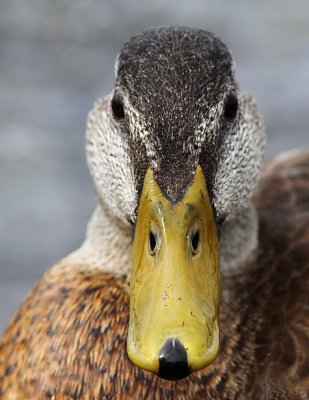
68	339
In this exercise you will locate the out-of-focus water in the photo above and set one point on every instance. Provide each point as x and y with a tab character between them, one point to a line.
56	58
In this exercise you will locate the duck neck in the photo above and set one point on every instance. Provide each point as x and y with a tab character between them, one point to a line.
108	243
238	240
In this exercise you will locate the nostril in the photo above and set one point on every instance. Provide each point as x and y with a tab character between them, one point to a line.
173	361
195	240
152	242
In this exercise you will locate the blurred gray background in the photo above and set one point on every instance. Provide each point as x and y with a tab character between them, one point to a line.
57	58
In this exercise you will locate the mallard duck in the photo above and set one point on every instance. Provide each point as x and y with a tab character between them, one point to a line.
175	152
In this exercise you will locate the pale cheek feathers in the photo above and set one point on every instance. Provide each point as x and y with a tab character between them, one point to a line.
240	162
109	163
112	171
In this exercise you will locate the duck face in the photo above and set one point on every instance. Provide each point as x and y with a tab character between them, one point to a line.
174	149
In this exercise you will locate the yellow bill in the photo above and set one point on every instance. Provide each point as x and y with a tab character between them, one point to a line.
175	282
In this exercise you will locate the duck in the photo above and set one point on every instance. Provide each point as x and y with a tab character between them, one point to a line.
193	278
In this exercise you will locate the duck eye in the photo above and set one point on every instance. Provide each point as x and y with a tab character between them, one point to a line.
117	106
231	107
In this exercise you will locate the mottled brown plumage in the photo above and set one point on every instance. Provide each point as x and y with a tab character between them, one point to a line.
68	339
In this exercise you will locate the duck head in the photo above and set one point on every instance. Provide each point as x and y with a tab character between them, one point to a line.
174	149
